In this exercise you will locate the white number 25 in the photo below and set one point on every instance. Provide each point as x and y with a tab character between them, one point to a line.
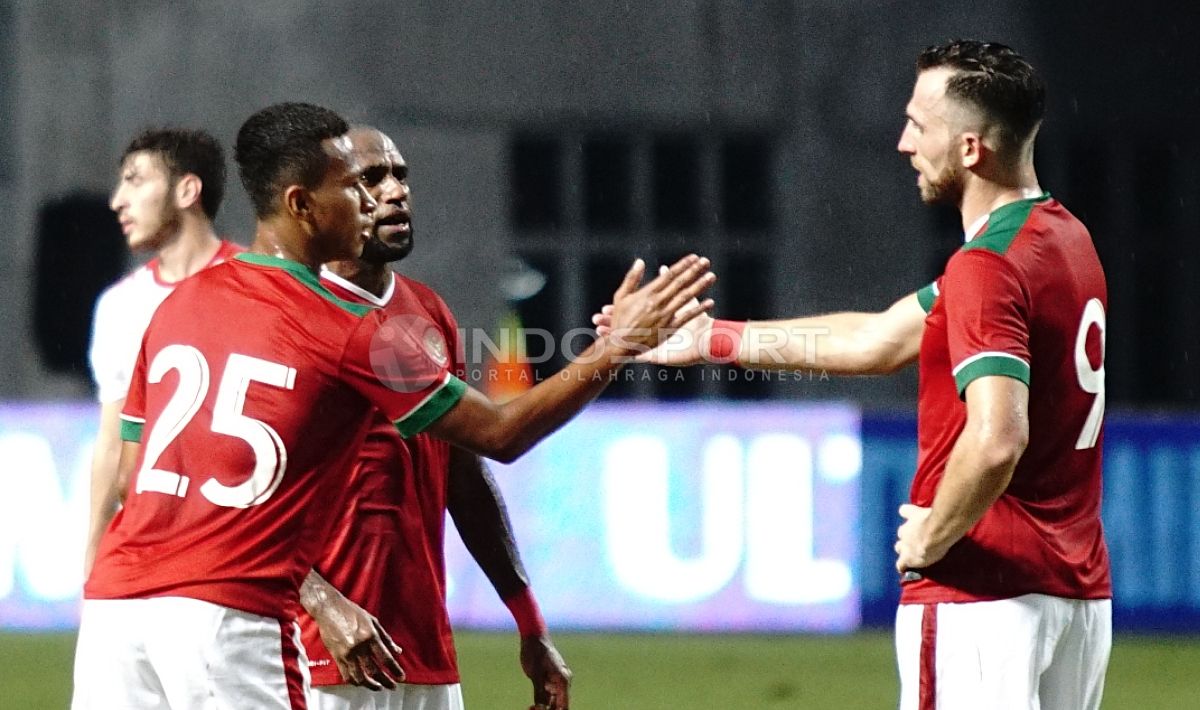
270	455
1090	379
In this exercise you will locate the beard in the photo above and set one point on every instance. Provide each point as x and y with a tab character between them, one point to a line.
945	189
169	222
377	251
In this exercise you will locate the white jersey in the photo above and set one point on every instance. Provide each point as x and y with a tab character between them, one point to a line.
123	312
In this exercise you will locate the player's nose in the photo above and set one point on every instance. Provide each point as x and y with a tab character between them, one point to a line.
366	202
395	191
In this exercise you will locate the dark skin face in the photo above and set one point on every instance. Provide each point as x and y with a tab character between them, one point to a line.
385	175
337	215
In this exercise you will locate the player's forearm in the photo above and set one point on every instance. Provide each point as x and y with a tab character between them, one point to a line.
104	495
483	524
820	342
838	343
978	471
482	521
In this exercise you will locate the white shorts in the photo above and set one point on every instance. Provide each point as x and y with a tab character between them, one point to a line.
1033	652
404	697
178	653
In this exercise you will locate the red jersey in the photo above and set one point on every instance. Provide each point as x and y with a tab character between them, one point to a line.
386	550
255	385
1026	298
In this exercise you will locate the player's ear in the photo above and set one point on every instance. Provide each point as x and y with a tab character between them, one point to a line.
187	191
972	149
297	201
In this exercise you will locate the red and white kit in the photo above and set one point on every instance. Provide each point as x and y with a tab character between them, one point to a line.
1024	298
386	549
254	386
122	313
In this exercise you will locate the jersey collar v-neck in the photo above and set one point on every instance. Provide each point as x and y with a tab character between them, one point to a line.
361	292
975	228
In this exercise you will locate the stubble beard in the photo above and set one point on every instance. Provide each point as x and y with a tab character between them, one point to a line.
377	251
170	222
945	189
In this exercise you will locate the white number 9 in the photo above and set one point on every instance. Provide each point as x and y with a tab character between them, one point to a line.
1090	380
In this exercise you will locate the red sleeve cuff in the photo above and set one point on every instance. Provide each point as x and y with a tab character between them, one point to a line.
526	613
725	341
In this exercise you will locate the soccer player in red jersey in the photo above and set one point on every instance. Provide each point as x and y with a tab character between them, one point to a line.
1006	596
170	188
386	552
254	388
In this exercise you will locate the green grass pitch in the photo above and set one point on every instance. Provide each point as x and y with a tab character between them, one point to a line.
653	672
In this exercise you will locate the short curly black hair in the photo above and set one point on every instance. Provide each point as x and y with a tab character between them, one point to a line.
187	151
281	146
995	79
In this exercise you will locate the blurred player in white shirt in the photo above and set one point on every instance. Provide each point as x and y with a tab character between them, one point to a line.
169	190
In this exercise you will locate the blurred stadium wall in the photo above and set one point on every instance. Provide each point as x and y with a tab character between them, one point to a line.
580	135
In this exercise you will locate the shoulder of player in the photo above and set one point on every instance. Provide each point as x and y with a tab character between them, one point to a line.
228	250
976	264
131	286
1008	224
253	272
412	296
205	278
420	291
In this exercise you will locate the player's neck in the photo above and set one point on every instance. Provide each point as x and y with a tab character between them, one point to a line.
370	277
191	250
982	197
281	241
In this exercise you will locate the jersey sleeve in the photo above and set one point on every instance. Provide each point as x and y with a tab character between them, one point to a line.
133	414
401	365
109	353
987	312
928	294
454	343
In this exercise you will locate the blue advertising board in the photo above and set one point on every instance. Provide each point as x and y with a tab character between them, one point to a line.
689	517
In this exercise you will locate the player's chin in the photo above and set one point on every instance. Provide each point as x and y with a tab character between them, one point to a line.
392	242
142	242
931	195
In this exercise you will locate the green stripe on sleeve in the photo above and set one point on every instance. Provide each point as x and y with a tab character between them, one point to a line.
927	295
131	431
1005	365
432	408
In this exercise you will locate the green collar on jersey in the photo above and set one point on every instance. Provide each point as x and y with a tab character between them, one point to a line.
305	276
1004	223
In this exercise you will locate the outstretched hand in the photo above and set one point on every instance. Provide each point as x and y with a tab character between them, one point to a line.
551	677
643	317
688	345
